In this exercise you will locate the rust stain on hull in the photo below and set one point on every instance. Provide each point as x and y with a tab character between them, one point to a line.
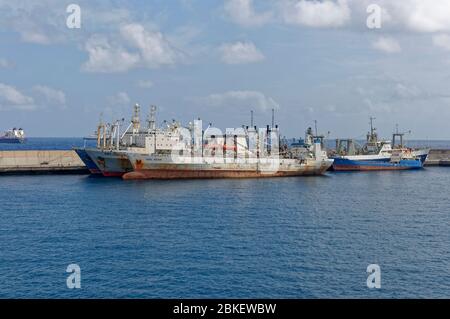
214	174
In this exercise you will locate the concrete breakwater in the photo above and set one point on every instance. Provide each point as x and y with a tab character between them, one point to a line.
41	162
438	157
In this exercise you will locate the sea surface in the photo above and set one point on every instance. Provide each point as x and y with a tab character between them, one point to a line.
58	143
299	237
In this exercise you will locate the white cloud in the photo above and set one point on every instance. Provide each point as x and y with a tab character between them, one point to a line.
317	13
106	57
423	15
387	45
32	36
442	41
41	97
410	15
243	13
5	64
133	47
153	47
12	98
240	99
240	53
39	22
43	22
145	84
50	96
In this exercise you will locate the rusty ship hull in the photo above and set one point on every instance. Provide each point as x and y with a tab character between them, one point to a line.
154	168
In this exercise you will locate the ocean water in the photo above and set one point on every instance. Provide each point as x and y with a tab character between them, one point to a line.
58	143
299	237
47	143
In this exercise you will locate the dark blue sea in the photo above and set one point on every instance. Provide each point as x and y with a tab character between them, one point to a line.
258	238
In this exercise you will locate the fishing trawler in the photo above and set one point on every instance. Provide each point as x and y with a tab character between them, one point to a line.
377	154
242	153
13	136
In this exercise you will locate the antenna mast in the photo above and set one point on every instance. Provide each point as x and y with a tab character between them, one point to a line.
152	118
136	118
372	136
372	129
273	118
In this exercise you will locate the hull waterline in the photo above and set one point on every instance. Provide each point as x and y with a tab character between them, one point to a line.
186	171
110	163
12	141
90	164
351	165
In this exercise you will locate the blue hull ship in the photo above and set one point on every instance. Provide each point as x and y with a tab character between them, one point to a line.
377	155
14	136
343	164
7	140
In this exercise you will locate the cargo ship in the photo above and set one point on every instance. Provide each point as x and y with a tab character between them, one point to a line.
13	136
174	151
243	153
110	154
377	154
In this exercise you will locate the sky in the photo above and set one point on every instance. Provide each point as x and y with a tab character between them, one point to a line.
334	61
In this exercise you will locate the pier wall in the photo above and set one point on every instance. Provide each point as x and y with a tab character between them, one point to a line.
438	157
29	162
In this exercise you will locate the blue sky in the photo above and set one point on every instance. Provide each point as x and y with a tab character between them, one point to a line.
310	60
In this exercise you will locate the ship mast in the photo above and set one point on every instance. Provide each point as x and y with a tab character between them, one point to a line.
136	119
152	118
372	137
273	118
100	130
400	135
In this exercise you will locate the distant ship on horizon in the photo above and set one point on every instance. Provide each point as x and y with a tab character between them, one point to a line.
14	136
